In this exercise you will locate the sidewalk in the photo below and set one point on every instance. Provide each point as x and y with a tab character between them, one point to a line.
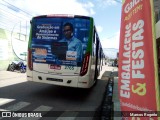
16	77
115	98
105	73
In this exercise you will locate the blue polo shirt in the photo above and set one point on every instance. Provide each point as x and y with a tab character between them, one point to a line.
74	44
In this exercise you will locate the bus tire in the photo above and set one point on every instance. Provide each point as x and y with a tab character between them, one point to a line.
95	77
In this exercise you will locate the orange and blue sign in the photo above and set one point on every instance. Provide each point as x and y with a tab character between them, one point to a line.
138	74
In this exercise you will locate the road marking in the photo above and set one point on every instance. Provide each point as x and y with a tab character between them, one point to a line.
4	101
17	106
68	115
43	108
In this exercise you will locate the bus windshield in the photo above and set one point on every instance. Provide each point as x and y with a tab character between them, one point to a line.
59	41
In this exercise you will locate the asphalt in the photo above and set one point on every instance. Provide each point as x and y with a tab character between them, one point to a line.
111	102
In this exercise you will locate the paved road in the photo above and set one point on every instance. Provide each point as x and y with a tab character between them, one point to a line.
18	94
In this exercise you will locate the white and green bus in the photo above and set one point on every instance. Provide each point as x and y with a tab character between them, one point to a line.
64	50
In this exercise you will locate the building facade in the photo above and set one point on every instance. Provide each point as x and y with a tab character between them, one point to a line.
157	19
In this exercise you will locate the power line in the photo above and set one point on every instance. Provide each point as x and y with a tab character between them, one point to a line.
118	1
111	36
15	8
12	14
9	17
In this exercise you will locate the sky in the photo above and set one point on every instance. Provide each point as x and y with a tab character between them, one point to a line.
106	13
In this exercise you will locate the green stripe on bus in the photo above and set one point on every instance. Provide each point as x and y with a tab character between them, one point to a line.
89	47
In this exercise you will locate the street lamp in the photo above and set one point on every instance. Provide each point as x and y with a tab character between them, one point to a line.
13	44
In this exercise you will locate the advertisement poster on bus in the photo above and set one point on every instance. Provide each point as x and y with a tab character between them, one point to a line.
59	41
138	76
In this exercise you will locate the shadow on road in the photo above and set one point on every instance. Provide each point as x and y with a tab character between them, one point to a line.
56	95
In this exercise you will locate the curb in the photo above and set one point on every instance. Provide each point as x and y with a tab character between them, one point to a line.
107	110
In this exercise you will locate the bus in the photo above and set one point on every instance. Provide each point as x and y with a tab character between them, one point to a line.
54	58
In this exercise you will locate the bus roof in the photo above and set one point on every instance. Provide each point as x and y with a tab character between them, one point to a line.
62	16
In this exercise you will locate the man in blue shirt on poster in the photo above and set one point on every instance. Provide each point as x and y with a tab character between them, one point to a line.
74	44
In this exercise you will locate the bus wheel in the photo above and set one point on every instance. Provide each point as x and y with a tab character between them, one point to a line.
95	77
95	82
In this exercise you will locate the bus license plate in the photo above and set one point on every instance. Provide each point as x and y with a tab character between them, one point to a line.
57	67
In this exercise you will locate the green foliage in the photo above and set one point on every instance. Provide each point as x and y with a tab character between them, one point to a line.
2	34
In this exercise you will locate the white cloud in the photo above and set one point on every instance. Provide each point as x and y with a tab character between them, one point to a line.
56	7
43	7
104	3
89	6
109	2
112	42
99	29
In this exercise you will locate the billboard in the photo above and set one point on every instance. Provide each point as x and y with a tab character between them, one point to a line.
138	75
59	41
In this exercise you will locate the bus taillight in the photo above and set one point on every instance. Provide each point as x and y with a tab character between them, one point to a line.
85	64
30	63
